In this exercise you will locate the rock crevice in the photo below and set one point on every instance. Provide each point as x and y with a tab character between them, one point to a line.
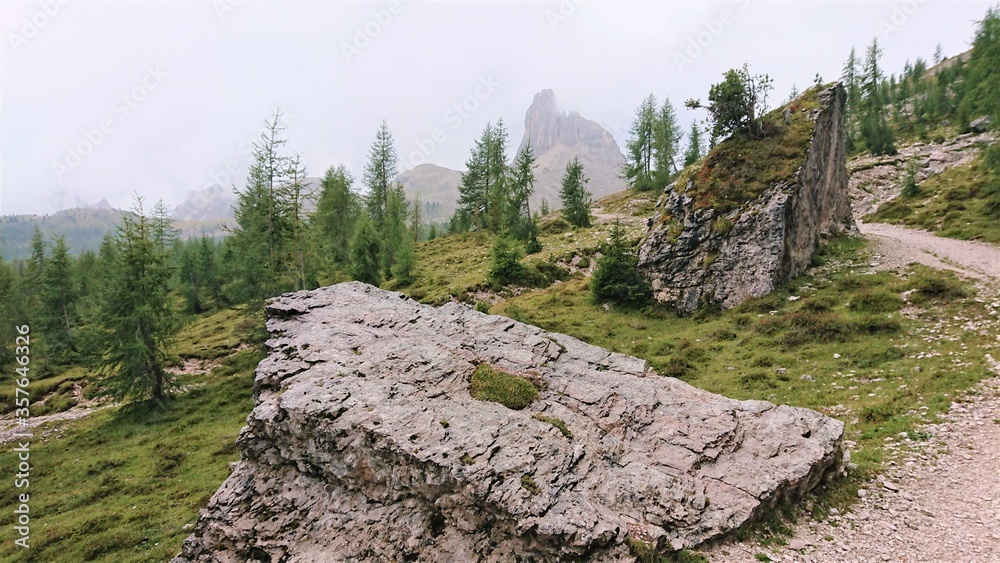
365	445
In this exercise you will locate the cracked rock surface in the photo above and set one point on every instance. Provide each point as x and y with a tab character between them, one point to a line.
365	445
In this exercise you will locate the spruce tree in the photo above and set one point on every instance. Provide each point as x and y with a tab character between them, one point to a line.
574	195
137	318
483	193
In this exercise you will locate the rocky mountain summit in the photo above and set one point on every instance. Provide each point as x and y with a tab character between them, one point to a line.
696	253
366	444
557	136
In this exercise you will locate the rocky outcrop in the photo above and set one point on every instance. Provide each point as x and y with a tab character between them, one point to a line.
876	180
558	136
365	445
707	255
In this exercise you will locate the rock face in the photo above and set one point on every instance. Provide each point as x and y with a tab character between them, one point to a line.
365	445
876	180
556	137
707	256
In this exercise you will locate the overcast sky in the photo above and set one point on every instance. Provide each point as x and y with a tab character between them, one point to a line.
99	100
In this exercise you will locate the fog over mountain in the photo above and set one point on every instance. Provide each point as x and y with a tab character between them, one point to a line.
107	99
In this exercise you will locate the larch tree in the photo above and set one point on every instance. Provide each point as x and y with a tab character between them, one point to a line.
379	174
136	316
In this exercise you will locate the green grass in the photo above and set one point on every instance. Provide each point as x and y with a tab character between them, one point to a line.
455	266
491	384
742	167
120	484
842	348
952	204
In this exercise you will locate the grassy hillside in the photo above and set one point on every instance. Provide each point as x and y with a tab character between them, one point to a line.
121	484
953	204
879	351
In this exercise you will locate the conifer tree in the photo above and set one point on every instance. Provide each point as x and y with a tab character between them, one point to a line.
522	187
59	298
336	214
136	315
366	252
638	170
694	148
875	130
379	174
574	195
666	140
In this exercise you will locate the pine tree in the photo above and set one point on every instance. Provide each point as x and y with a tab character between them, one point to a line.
693	153
938	54
137	318
379	174
366	253
406	261
638	170
574	195
416	217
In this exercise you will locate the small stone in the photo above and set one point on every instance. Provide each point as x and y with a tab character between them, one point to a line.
797	544
836	356
862	493
890	486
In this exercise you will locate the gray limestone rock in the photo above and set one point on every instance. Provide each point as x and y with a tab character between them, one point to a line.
365	445
711	256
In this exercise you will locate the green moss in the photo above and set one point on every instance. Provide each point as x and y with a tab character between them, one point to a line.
742	167
528	484
557	423
512	391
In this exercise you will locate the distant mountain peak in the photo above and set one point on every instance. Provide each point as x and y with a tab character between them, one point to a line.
557	136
